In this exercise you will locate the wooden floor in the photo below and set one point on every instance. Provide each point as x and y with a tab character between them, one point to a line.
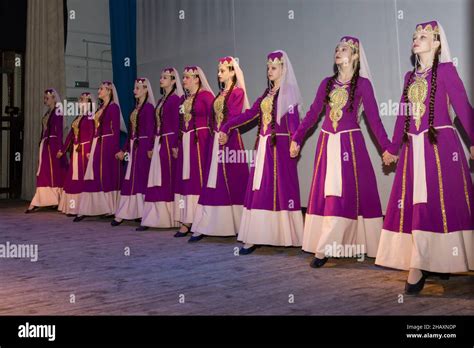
87	259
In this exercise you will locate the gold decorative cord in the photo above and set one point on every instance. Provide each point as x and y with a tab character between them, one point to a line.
354	163
441	190
316	171
404	188
274	177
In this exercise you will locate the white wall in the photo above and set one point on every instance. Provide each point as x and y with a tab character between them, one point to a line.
91	23
249	29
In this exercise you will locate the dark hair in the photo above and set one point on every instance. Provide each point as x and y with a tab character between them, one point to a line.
226	98
354	80
434	75
272	124
260	117
181	120
160	113
138	114
275	97
432	132
162	90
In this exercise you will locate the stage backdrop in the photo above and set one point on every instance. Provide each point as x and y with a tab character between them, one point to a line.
186	32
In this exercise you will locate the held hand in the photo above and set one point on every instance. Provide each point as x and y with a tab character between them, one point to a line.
471	150
175	152
150	154
223	138
59	154
294	149
388	158
120	155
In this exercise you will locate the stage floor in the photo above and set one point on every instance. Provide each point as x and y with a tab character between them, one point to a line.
87	260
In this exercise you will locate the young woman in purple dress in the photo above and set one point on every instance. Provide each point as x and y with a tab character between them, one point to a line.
429	232
344	216
220	204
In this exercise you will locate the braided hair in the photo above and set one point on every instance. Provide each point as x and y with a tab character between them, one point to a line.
275	97
225	110
407	114
431	130
355	78
434	75
181	114
137	131
160	113
260	117
329	84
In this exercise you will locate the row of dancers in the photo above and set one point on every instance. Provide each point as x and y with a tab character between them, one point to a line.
177	174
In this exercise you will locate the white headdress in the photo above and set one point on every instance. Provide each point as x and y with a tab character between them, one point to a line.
239	74
115	99
289	95
146	82
195	70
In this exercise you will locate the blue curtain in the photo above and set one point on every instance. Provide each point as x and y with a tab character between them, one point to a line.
123	20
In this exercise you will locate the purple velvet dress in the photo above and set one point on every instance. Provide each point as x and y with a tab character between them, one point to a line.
272	212
344	205
78	142
102	177
158	210
192	155
429	222
220	205
139	142
51	170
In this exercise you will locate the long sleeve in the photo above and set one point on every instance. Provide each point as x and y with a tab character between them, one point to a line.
398	131
312	114
458	98
372	114
68	141
114	111
174	109
243	118
126	145
293	120
149	118
235	102
57	129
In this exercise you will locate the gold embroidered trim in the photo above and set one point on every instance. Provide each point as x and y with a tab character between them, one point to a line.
316	170
354	163
404	187
441	190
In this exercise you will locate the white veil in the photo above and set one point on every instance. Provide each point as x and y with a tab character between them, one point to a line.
179	87
151	96
58	101
123	127
289	95
239	74
204	83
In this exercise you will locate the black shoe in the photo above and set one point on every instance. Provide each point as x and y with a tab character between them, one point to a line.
414	289
107	216
138	220
141	228
183	234
318	263
246	251
443	276
71	215
115	223
79	218
32	210
195	239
